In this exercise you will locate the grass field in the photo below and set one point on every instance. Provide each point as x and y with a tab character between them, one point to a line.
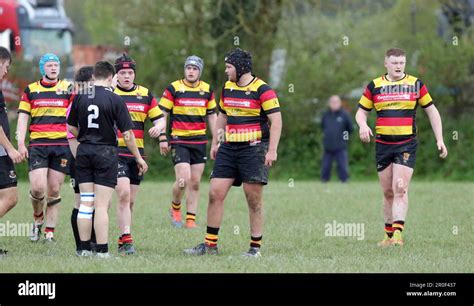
438	234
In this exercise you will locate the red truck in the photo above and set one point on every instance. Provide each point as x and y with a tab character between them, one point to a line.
29	29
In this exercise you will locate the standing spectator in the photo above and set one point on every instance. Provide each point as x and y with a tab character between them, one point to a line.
336	125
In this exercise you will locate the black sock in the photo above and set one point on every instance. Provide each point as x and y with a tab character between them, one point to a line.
86	245
102	248
93	239
75	229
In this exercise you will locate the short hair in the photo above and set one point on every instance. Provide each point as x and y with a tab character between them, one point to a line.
84	74
103	70
5	55
395	52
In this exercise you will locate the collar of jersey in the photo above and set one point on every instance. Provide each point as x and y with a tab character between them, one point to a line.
48	85
134	87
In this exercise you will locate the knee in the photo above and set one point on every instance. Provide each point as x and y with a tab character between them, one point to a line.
123	198
388	193
215	197
54	193
254	202
194	185
182	183
37	193
400	190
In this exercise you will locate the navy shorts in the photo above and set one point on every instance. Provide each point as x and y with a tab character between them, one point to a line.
243	162
401	154
97	164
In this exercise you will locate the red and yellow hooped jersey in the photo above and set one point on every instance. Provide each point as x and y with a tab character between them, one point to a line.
47	105
395	103
141	104
188	107
247	109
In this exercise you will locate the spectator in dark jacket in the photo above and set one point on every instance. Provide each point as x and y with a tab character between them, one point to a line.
336	124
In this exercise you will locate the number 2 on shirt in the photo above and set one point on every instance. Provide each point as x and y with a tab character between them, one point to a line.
93	115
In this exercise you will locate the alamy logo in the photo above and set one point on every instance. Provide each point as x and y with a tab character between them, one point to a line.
336	229
12	229
37	289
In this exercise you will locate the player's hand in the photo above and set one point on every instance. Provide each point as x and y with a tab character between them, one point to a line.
270	158
442	149
23	151
213	153
142	166
15	156
164	148
154	132
364	133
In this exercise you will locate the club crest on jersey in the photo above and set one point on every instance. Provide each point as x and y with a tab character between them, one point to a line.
201	92
139	97
248	92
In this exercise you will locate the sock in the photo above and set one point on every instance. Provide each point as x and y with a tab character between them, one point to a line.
212	236
127	238
255	242
102	248
175	206
38	218
49	230
389	230
75	229
93	239
86	245
120	242
398	225
190	216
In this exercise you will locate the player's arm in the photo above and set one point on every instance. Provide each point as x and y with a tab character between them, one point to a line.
366	104
276	124
129	139
212	120
21	128
364	130
15	156
218	136
24	112
437	126
73	130
73	144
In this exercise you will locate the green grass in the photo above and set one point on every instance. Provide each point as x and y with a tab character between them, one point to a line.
294	238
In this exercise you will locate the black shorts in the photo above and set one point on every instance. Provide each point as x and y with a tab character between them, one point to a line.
97	164
127	167
243	162
7	173
188	153
72	174
52	157
401	154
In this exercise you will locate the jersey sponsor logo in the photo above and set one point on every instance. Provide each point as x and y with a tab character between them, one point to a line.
135	108
46	103
185	102
237	103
